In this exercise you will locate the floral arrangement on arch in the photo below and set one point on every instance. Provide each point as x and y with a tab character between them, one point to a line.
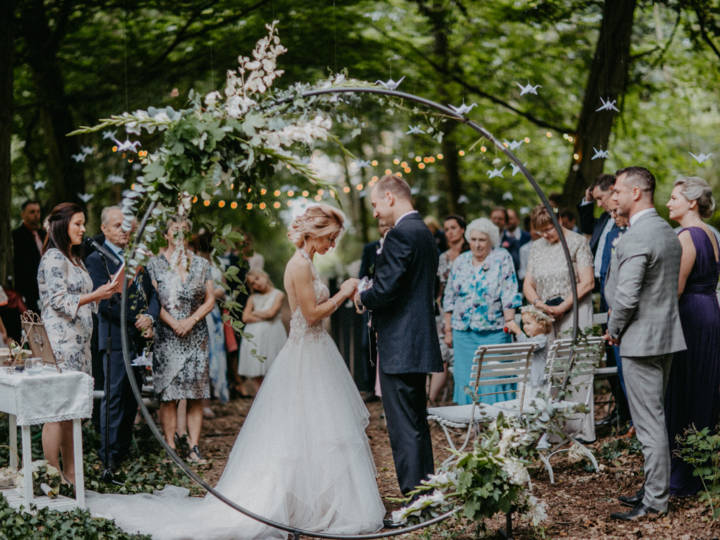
235	143
488	478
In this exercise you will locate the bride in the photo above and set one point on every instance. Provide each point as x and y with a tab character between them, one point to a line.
302	457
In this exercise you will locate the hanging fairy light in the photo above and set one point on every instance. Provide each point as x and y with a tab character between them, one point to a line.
249	206
233	205
461	153
346	189
276	204
276	192
262	206
263	191
359	187
221	204
206	203
290	193
305	193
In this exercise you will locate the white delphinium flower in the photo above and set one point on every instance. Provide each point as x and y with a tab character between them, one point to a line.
537	511
516	471
398	516
211	98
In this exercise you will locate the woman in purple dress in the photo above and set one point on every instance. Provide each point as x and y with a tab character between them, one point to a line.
693	392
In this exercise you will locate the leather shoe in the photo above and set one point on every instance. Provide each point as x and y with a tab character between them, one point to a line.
632	500
639	511
390	524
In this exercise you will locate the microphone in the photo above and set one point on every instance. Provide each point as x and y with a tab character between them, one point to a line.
105	252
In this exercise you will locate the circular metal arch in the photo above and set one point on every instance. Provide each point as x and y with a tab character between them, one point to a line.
295	532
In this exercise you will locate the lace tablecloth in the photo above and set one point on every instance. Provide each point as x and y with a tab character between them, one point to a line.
48	396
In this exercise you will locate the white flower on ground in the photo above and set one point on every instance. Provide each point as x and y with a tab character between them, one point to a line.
537	511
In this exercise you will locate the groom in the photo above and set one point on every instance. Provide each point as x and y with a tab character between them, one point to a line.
401	299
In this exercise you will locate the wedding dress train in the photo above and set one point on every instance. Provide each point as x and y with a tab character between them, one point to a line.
302	457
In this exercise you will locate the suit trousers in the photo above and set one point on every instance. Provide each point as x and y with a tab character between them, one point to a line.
122	411
646	378
404	401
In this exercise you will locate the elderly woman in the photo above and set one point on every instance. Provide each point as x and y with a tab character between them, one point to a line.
547	283
480	298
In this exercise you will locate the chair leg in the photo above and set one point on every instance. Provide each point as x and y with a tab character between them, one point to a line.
546	461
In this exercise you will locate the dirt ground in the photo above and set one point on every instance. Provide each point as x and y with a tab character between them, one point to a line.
579	503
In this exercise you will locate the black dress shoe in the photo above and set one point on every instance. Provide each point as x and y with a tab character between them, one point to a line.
390	524
639	511
632	500
610	420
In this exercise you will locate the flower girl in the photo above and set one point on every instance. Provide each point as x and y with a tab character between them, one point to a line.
264	327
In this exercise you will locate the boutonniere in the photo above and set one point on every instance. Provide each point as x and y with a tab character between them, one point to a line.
506	244
615	241
378	251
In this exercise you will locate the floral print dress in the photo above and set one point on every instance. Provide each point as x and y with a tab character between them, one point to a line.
180	364
69	325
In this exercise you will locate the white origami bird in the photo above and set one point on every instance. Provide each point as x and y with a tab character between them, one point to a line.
600	154
414	130
462	109
507	196
495	173
86	149
109	134
700	158
40	184
415	190
513	144
528	88
362	163
115	179
462	199
79	157
390	84
433	198
607	105
515	169
127	145
85	197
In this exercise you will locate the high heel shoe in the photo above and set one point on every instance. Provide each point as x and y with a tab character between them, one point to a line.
194	456
181	445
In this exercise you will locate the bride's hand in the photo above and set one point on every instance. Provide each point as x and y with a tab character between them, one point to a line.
349	286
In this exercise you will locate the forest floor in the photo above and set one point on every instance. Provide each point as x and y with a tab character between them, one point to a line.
579	504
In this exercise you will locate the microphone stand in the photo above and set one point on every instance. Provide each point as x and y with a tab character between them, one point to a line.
107	474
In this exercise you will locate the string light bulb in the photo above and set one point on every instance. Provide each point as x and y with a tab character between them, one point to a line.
440	156
233	205
221	204
206	203
276	204
276	192
262	206
249	206
305	193
346	189
263	191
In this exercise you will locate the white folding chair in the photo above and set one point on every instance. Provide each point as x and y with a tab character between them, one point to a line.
570	367
506	364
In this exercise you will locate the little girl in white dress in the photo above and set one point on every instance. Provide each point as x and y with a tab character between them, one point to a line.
262	321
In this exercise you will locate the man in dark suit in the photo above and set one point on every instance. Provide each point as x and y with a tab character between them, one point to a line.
28	240
368	341
402	300
600	192
143	308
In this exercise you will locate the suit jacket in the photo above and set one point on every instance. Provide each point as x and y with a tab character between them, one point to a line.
599	227
642	289
26	263
402	299
369	256
142	298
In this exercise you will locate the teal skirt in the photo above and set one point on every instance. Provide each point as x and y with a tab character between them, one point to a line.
465	343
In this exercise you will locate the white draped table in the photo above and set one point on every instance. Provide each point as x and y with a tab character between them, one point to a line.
39	398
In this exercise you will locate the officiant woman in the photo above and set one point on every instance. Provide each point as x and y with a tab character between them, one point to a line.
480	298
67	301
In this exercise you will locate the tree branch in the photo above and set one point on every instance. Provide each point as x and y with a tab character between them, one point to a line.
704	34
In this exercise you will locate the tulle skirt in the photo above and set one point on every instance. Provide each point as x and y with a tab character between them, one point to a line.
302	458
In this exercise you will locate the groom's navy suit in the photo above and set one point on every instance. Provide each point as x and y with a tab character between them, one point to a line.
402	301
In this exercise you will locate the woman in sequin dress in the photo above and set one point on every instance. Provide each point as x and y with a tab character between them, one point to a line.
67	302
180	360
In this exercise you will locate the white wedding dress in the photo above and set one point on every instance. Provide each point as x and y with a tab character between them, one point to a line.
302	457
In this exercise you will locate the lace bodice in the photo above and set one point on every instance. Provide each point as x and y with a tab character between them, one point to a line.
299	327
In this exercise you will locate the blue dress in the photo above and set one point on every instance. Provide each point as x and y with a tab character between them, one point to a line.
476	296
693	392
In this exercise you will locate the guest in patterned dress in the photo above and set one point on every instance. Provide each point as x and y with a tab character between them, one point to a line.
479	302
454	228
180	360
67	302
547	284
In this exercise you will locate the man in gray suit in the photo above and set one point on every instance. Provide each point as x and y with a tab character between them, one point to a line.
642	292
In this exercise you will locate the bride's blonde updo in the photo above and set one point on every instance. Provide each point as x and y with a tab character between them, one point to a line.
317	221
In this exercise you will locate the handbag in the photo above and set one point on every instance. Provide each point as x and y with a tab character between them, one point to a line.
37	338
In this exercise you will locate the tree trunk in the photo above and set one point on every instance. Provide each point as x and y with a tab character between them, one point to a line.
66	178
7	51
607	79
439	15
